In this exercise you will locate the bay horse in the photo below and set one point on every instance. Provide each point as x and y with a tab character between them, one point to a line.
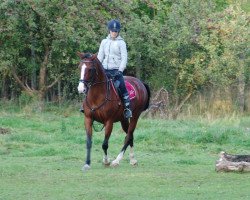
103	104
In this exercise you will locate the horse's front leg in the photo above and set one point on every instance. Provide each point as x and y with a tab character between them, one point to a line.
105	144
88	127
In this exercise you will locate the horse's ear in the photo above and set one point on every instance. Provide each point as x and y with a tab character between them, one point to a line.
81	55
94	56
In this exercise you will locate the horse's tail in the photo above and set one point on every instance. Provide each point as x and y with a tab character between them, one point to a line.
149	95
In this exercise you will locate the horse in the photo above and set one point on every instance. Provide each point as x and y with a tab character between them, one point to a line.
103	104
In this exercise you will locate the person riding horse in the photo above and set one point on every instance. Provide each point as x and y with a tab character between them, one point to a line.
113	56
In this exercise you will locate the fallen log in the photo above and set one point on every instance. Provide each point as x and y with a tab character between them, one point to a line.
237	163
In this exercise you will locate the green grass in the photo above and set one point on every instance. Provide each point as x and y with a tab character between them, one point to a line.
42	158
246	6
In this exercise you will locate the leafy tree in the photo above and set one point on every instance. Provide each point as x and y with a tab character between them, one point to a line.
226	40
194	54
183	45
40	38
182	67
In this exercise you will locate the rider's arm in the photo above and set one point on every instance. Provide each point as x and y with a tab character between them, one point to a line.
100	54
124	56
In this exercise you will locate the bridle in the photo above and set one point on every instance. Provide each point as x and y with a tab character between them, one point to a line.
93	71
92	82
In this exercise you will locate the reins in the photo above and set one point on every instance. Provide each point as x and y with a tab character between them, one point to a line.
90	84
105	100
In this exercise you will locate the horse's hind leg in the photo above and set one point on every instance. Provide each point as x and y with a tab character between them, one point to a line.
129	140
132	159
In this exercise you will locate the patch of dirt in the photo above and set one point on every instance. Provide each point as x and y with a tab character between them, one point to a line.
4	131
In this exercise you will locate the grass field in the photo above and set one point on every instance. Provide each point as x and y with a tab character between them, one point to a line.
42	154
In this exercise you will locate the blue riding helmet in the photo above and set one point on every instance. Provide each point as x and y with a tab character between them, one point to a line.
114	25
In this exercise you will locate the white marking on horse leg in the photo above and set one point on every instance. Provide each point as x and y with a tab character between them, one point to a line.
133	161
86	167
118	159
131	154
106	160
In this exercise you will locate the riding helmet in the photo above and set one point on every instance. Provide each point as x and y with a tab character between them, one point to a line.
114	25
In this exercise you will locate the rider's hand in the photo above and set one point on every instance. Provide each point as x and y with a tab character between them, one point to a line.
118	74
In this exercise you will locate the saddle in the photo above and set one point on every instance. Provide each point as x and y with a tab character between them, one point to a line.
130	88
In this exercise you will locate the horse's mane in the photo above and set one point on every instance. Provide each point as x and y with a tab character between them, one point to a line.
98	61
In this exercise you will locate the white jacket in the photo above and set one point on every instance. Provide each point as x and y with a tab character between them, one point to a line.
113	53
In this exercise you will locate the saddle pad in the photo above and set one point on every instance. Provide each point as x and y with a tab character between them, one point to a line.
130	89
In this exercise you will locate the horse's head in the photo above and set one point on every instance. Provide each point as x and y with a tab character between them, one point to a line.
88	71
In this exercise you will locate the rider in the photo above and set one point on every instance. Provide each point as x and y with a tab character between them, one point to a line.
113	56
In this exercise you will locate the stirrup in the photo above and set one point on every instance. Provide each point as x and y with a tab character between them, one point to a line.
127	113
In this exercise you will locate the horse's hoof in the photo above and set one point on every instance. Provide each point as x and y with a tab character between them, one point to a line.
86	167
114	164
133	162
106	163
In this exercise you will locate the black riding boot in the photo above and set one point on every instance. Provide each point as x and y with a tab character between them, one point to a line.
127	110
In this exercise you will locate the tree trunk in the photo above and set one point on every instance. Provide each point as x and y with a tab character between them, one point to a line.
40	93
138	66
33	74
175	93
59	92
178	107
43	73
4	93
241	88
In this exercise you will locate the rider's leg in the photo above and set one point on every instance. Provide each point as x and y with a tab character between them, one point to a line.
123	89
125	96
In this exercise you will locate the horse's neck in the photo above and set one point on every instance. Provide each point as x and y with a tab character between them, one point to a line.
100	88
101	75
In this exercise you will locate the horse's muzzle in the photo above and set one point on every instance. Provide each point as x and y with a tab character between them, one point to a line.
81	88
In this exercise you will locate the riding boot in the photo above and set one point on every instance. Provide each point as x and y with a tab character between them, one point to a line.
127	110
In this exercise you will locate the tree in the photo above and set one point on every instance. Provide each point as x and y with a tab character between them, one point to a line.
39	39
182	46
196	50
226	41
184	69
